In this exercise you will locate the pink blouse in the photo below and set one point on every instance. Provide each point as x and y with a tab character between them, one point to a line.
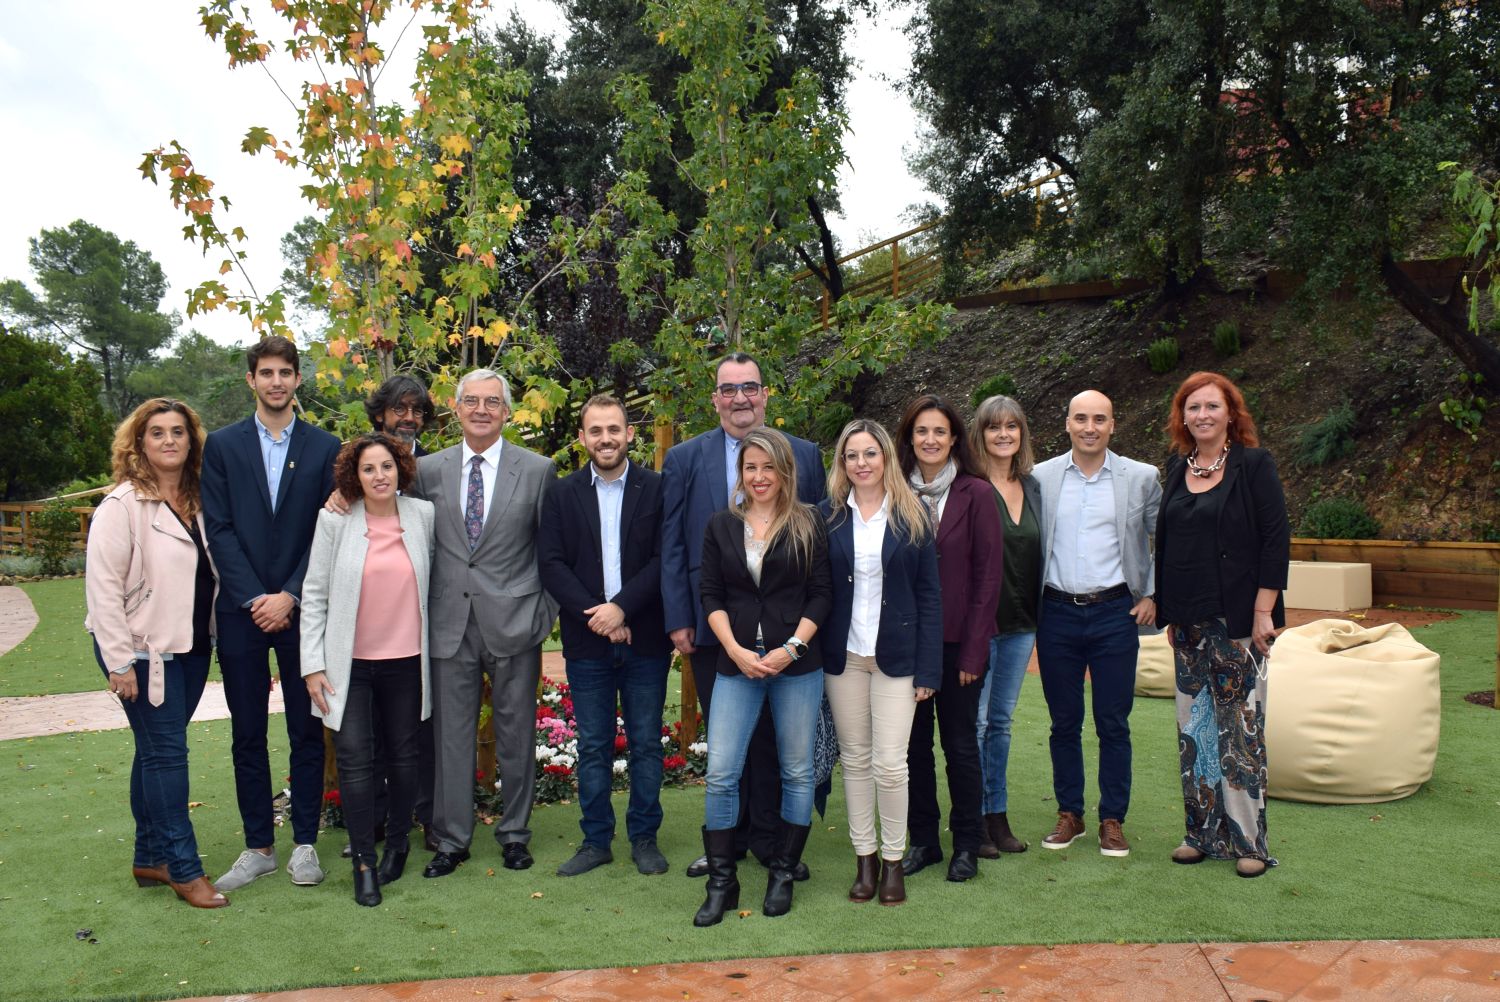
389	622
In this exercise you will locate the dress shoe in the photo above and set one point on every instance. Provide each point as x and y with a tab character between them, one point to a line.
1248	866
1112	839
698	867
866	874
392	865
998	827
919	858
1069	828
200	893
892	889
303	866
444	863
963	866
515	856
251	865
430	839
366	885
585	859
1188	854
151	876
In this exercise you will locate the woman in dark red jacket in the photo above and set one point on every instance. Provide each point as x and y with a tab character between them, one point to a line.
934	453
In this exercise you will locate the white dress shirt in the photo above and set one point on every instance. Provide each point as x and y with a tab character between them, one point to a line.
611	495
869	578
487	471
1085	553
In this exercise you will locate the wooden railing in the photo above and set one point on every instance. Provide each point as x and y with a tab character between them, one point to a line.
18	534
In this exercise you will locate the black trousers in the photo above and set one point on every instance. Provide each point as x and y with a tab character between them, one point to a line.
423	805
956	708
384	698
760	783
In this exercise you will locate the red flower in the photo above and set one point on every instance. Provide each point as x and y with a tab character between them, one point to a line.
674	762
557	770
620	743
478	775
545	712
334	797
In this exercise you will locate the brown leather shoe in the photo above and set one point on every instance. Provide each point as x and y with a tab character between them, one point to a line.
866	873
1249	866
1188	854
200	893
987	848
1069	828
892	882
151	876
1112	839
998	826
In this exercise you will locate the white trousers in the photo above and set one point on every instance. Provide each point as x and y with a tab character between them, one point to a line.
873	713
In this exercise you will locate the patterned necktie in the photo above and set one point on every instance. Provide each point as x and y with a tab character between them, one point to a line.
474	505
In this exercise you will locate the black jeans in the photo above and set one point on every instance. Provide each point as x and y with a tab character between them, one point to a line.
386	695
956	708
760	782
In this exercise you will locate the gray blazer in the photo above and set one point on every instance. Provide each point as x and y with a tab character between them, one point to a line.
499	581
330	595
1137	499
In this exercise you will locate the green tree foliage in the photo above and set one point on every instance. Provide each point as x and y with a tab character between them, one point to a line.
208	376
56	429
99	295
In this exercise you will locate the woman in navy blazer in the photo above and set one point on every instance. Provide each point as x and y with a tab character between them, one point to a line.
882	644
935	458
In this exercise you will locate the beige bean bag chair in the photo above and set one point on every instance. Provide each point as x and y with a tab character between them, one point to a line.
1155	673
1352	713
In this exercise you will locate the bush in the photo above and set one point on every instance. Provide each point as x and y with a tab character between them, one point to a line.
1162	355
1001	384
1328	440
53	532
1338	518
1227	338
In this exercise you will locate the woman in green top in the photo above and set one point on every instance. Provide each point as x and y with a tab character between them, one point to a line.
1002	445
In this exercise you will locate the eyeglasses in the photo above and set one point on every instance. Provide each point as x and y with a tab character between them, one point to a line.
869	456
411	410
731	390
475	403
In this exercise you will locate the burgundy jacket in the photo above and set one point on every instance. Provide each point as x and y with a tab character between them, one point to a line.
969	560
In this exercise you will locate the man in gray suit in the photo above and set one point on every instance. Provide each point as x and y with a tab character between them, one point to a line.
488	615
1098	513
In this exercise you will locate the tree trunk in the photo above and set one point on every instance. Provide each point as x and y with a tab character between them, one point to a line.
1446	318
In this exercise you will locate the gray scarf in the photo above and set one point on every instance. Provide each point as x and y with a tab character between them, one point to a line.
931	492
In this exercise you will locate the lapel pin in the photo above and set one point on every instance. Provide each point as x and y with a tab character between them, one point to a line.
292	465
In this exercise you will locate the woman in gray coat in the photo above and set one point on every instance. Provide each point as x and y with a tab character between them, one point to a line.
364	644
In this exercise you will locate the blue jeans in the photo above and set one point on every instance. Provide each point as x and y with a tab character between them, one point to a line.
1103	640
159	774
641	684
796	701
1009	655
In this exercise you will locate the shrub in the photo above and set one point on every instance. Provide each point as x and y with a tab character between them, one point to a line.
1338	518
1162	355
1001	384
20	565
830	420
1328	440
1227	338
54	528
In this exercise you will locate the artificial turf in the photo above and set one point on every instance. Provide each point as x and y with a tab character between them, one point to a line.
1423	867
56	656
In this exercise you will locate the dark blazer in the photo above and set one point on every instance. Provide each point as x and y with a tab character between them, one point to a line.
570	556
257	552
1255	539
910	639
787	593
694	487
969	563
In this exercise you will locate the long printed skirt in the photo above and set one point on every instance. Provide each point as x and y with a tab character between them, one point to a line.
1221	739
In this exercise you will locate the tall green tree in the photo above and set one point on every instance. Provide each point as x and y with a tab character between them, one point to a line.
99	295
208	376
56	429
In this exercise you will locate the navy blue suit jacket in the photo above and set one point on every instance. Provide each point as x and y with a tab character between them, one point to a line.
910	639
570	557
694	487
256	552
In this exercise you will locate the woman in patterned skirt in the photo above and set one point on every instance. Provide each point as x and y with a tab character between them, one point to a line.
1222	544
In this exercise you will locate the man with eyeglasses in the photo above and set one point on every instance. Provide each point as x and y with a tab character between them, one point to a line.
401	407
697	479
488	615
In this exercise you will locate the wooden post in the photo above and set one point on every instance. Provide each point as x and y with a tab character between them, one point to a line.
1496	702
896	268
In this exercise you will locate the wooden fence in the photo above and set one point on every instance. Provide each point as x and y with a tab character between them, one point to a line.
18	531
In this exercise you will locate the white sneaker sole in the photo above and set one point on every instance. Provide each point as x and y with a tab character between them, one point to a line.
1062	845
1113	852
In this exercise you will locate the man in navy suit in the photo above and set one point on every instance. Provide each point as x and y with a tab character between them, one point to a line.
696	480
264	480
599	553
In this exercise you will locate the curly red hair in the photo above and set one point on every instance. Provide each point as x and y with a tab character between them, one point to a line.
346	466
1241	424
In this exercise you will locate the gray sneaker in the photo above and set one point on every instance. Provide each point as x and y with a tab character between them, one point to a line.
250	866
303	866
648	858
585	859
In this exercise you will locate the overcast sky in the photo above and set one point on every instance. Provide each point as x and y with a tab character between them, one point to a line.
90	87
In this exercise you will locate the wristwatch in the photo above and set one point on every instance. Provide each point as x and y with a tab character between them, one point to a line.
796	648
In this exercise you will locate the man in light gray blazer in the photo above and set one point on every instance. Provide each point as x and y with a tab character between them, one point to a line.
488	615
1098	513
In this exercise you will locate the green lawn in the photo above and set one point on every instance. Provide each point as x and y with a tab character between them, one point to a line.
1423	867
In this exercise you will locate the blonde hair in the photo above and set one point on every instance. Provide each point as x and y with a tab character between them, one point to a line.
906	512
991	414
128	457
793	518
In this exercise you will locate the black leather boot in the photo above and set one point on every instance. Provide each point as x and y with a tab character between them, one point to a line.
366	883
792	840
392	864
723	880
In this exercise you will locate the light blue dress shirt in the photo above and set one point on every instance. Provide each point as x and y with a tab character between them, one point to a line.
731	464
273	455
1086	553
611	494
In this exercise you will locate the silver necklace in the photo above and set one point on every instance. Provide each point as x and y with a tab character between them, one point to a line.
1206	471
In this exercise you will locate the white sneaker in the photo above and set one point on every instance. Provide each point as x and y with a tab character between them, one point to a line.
303	866
250	866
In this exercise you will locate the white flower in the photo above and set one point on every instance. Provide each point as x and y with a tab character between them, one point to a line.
620	766
552	697
698	747
665	740
544	753
571	747
566	760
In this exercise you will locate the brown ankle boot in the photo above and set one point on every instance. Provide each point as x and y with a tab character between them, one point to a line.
866	873
892	882
998	827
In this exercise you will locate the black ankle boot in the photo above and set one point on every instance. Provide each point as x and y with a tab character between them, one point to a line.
792	840
723	879
392	864
366	884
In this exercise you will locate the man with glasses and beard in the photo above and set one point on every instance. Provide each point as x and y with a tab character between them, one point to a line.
401	407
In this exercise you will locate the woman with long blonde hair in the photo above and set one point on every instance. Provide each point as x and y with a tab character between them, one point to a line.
882	647
765	590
